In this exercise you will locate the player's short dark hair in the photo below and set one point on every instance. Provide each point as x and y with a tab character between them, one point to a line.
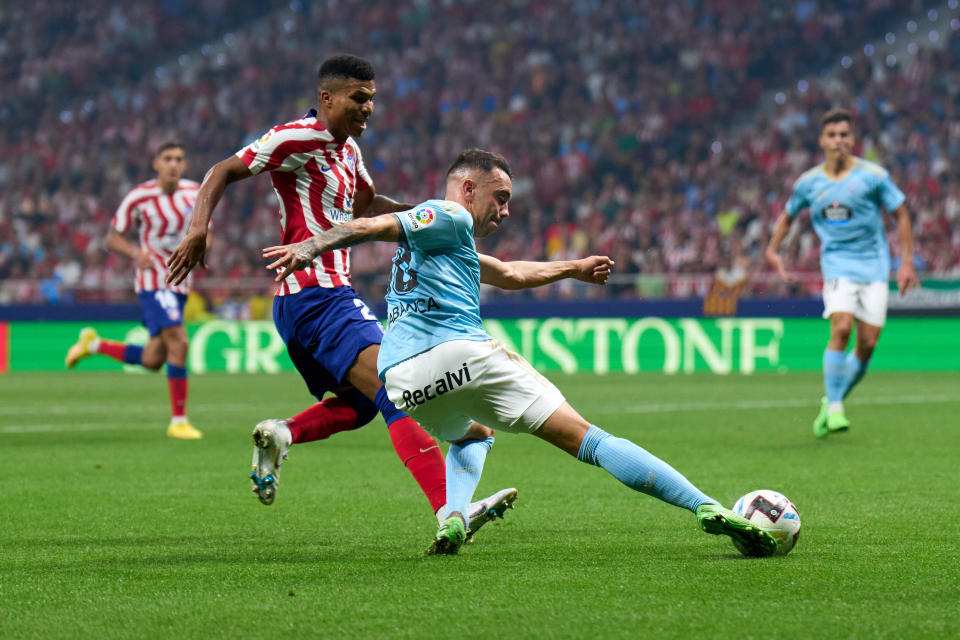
481	160
344	67
169	144
835	115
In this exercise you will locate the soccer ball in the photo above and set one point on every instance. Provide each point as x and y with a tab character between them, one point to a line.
773	512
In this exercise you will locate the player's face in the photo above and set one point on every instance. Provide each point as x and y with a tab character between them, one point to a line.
836	140
488	201
348	105
170	165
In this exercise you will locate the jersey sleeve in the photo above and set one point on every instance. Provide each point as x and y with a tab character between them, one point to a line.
364	181
283	148
888	193
429	226
798	198
125	215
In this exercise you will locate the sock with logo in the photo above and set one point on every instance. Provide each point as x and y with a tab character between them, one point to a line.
177	381
835	374
322	420
855	370
127	353
419	452
639	469
464	467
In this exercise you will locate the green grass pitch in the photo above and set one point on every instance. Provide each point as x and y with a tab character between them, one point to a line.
111	530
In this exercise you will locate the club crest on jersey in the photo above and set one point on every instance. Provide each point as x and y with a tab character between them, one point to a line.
351	162
421	218
836	213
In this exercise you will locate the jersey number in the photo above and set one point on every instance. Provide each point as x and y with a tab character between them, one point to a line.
364	310
404	277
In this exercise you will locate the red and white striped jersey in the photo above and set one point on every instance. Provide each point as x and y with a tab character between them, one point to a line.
163	219
315	178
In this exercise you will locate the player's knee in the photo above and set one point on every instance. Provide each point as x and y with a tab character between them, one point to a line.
152	361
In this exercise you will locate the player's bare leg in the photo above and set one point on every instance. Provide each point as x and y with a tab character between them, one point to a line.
175	344
644	472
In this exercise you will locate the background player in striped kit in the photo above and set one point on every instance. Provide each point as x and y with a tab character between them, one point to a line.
846	196
160	208
332	337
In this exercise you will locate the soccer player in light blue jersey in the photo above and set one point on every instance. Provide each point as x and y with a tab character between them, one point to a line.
439	364
846	196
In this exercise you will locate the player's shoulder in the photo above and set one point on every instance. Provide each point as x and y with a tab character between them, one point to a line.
307	126
871	168
811	174
146	189
188	185
429	212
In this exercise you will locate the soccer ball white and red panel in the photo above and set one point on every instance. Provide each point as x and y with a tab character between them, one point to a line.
773	512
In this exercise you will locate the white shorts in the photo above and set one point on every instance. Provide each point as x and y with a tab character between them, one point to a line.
456	383
867	301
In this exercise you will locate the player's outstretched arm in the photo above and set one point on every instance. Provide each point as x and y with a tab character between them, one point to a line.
780	231
192	248
293	257
524	275
906	274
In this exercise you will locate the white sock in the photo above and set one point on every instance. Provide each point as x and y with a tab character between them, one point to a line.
834	406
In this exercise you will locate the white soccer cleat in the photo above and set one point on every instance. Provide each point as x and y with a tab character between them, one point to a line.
490	508
271	441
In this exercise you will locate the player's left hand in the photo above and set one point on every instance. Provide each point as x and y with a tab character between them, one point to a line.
188	254
290	257
595	269
906	277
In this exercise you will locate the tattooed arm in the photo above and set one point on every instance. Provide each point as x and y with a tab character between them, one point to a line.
293	257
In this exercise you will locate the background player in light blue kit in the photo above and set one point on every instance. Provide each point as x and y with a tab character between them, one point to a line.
439	364
846	195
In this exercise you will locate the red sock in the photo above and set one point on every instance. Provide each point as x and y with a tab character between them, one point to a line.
422	457
178	397
111	349
322	420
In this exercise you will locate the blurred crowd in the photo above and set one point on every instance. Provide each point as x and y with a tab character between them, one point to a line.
639	130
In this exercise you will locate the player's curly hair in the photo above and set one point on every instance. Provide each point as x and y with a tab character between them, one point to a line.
481	160
345	66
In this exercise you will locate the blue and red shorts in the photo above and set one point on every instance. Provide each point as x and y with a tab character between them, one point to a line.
325	329
161	309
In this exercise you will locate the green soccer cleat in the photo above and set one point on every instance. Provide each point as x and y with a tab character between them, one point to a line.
450	536
820	422
716	520
837	422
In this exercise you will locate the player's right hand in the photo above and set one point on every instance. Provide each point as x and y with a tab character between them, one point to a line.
188	254
143	259
777	263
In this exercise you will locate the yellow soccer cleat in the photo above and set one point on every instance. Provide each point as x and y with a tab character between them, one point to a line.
81	348
183	430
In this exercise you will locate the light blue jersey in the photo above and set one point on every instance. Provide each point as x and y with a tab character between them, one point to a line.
434	293
847	216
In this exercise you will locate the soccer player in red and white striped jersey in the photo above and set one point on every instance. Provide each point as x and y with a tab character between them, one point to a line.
160	211
332	337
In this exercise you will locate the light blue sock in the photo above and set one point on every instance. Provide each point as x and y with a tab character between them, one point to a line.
639	469
855	370
464	466
835	375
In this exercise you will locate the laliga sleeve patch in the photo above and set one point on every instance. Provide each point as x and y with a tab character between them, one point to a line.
421	218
